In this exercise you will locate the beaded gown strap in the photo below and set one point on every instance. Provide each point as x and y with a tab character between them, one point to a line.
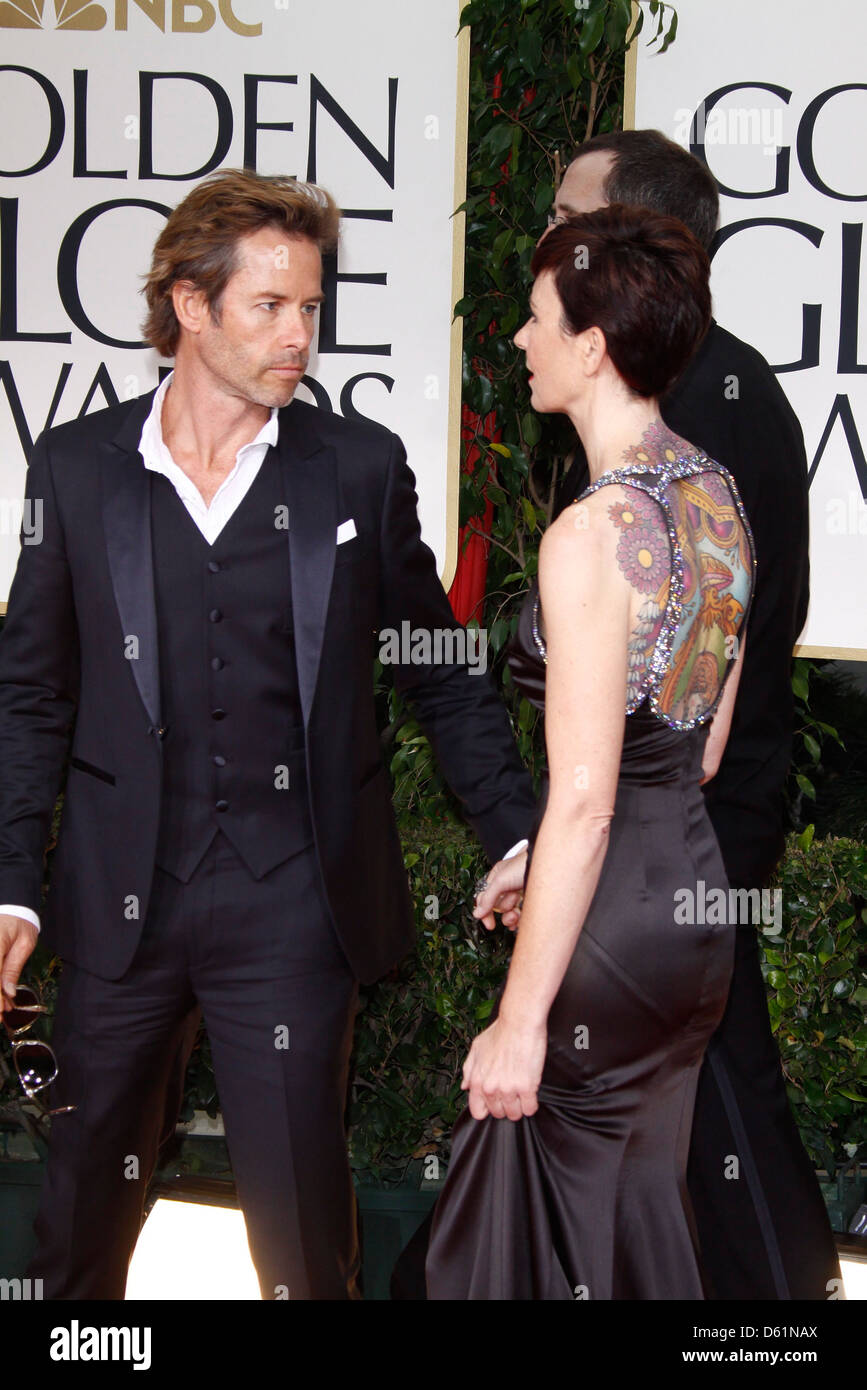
686	641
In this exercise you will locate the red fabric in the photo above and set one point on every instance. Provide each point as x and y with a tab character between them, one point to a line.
467	593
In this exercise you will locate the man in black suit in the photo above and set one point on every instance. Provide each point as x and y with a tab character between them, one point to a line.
764	1234
201	617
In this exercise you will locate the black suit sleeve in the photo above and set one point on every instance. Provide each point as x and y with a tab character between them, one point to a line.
38	689
461	712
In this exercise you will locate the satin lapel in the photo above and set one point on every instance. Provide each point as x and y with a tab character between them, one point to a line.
310	482
127	521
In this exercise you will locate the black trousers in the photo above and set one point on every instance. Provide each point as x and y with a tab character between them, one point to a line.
763	1226
261	961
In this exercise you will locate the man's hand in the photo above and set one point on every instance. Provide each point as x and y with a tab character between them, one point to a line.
503	1071
17	940
503	893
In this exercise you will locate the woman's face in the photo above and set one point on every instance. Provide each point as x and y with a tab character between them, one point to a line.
551	352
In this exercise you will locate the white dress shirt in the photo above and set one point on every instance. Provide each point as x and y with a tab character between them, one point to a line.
234	487
209	519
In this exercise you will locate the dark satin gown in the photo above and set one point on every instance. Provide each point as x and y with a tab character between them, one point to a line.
587	1198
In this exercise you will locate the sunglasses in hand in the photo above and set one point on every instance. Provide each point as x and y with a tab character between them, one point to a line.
35	1061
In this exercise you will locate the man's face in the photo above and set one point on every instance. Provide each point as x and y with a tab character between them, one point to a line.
582	187
259	348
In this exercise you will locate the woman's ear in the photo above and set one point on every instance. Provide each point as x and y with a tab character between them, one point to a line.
592	349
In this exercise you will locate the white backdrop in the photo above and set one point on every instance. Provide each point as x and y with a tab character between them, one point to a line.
372	101
796	154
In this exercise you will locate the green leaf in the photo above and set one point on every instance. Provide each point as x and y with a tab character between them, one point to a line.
500	449
509	321
591	31
826	948
499	137
672	33
575	70
531	429
544	199
530	49
502	246
812	748
806	786
805	839
485	394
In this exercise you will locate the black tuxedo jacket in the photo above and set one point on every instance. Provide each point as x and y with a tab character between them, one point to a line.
66	670
729	403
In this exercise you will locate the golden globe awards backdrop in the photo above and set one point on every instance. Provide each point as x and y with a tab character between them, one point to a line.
773	96
110	110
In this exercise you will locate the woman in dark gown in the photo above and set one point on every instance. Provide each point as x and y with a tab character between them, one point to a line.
568	1171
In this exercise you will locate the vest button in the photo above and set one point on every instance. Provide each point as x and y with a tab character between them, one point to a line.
218	714
214	566
219	760
222	805
217	663
215	615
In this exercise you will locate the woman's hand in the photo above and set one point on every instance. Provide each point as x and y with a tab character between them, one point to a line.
503	1070
503	893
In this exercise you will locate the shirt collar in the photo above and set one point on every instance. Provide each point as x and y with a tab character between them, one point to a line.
152	446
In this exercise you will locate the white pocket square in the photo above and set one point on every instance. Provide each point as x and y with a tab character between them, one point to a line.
345	531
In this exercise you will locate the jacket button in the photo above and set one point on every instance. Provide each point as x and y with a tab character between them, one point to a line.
159	729
222	805
217	663
215	616
214	566
219	760
218	714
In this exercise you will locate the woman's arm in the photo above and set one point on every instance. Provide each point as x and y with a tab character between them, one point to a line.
586	610
722	720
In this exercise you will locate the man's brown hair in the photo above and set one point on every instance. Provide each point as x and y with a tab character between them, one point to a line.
200	239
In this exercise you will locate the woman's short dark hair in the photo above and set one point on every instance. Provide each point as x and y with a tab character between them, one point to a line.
642	278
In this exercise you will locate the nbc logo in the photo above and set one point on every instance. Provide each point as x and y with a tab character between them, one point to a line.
85	14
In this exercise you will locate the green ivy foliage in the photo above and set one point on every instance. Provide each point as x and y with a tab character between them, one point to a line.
416	1026
816	976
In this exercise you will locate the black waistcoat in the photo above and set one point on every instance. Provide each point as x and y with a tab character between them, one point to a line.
234	746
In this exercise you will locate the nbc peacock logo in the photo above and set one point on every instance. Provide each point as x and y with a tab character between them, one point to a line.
68	14
85	14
